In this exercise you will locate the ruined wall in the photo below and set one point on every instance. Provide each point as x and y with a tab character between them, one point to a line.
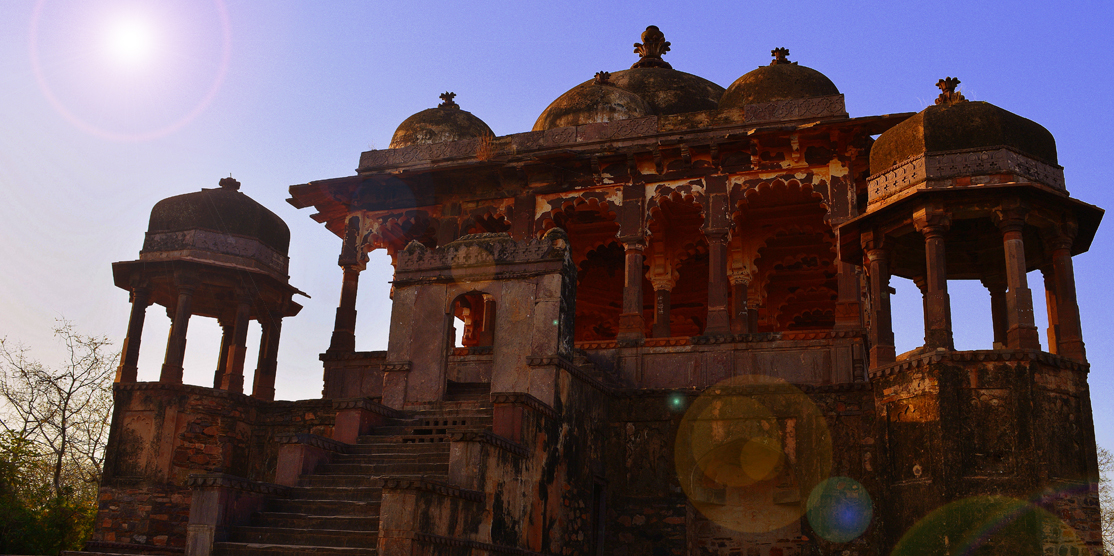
163	433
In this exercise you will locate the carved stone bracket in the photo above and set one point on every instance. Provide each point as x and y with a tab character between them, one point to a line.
223	480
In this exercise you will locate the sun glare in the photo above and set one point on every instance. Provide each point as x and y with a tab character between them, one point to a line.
130	42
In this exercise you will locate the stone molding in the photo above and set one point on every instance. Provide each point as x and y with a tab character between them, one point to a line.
965	162
146	548
233	482
980	356
366	404
313	440
491	439
396	367
525	400
429	538
729	339
485	251
435	487
474	350
795	109
561	362
166	245
352	356
750	389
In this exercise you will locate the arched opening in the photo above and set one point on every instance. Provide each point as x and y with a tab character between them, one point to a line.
677	266
485	223
473	320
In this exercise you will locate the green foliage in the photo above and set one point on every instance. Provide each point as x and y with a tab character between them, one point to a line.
53	427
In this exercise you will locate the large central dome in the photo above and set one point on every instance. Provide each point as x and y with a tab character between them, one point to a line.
661	89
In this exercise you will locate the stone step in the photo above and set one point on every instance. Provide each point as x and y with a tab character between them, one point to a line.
355	493
305	537
304	521
384	445
404	439
423	429
351	508
257	549
338	480
379	469
438	456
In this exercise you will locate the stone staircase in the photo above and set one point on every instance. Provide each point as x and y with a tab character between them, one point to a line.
335	510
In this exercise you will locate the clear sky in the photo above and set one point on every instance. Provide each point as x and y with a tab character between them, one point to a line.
109	106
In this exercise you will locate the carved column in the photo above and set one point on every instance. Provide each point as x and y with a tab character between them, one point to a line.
663	278
264	386
487	326
344	329
176	344
632	324
233	379
933	223
1022	331
881	335
1051	304
128	370
719	321
1070	333
740	291
996	285
222	358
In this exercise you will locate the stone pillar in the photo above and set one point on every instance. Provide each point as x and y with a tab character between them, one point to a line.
740	291
632	325
719	321
128	370
487	325
882	351
233	379
1022	331
222	358
996	285
1070	333
1048	276
344	331
176	344
264	386
933	224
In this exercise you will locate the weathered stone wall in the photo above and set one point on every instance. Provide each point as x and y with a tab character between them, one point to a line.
163	433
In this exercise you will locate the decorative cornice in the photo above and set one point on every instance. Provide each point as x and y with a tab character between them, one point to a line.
366	404
396	367
316	441
223	480
482	547
958	163
525	400
795	109
979	356
435	487
558	361
818	389
218	247
353	356
491	439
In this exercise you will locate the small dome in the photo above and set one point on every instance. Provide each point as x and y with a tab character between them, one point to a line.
224	210
954	123
661	88
447	122
781	80
591	102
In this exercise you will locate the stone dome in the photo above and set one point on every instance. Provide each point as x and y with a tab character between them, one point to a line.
592	102
781	80
663	89
224	210
446	122
954	123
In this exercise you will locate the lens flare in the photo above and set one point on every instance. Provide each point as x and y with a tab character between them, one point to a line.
130	41
840	509
748	452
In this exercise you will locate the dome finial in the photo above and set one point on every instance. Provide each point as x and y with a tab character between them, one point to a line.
780	56
447	97
948	94
603	78
651	49
229	183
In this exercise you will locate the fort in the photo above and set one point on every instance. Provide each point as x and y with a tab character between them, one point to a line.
659	323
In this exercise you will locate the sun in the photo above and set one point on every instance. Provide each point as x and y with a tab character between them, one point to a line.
130	42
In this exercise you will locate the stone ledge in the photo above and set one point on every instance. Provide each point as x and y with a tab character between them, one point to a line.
557	360
428	538
366	404
491	439
316	441
526	400
980	356
436	487
750	389
352	356
224	480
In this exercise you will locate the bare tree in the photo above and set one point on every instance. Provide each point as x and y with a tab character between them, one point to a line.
64	412
1106	498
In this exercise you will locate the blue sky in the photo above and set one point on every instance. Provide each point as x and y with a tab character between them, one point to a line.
111	105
